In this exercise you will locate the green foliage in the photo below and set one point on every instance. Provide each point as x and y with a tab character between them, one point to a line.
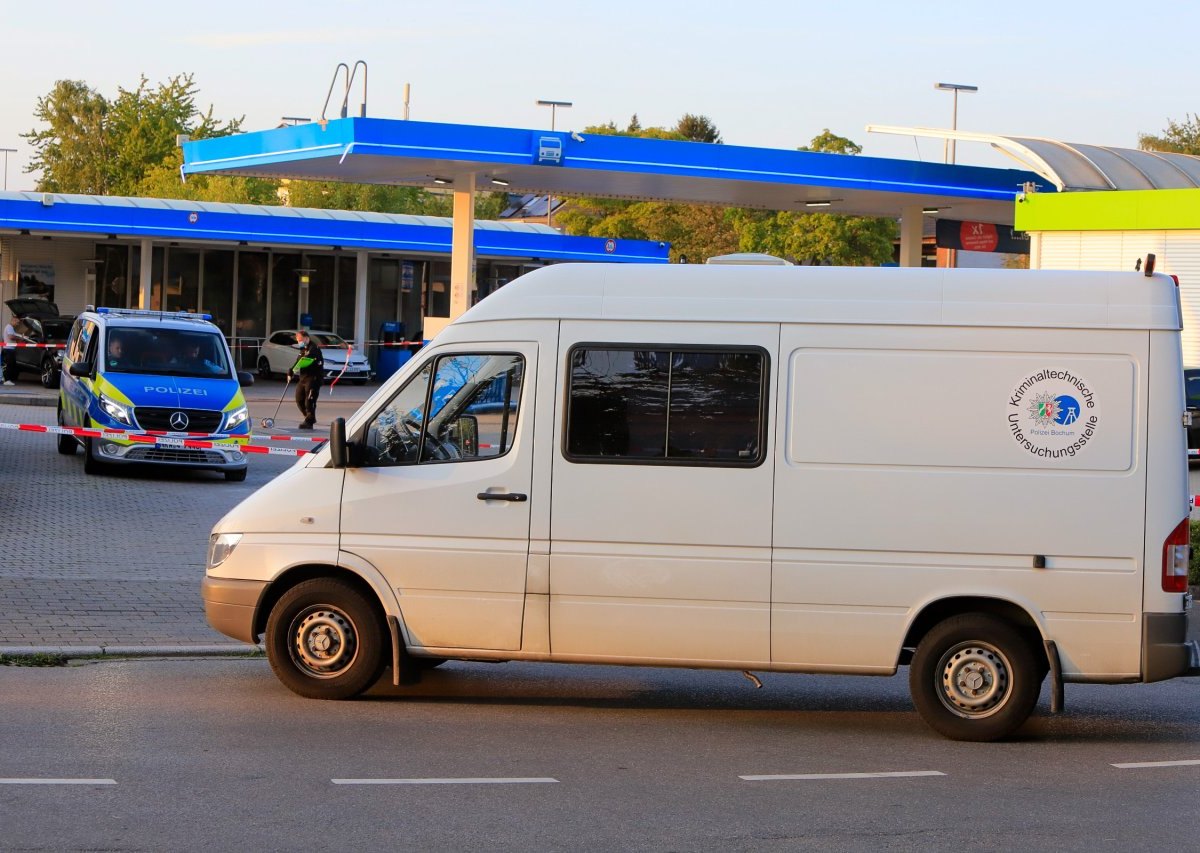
34	659
96	146
817	238
697	129
831	143
1179	137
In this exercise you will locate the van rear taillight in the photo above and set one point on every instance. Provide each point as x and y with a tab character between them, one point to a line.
1176	553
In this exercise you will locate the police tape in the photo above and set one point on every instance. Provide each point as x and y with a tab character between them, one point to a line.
33	346
1194	451
166	439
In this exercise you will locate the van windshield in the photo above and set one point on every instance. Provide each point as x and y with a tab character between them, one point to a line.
166	352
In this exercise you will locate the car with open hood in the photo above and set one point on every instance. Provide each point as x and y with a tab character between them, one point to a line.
44	324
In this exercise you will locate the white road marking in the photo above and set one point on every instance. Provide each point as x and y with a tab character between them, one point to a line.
818	776
516	780
1135	765
58	782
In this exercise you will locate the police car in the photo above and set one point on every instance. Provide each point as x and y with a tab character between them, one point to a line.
154	371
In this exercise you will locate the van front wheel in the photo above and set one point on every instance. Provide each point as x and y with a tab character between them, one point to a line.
974	677
324	640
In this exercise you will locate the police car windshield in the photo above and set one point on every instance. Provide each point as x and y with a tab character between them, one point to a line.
166	352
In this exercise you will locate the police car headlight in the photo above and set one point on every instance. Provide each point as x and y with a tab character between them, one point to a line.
220	546
236	417
116	411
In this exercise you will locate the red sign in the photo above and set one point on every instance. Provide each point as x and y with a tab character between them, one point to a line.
979	237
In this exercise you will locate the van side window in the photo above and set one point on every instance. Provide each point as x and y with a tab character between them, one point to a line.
458	408
696	406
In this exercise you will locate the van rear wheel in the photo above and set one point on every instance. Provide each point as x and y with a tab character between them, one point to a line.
324	640
974	677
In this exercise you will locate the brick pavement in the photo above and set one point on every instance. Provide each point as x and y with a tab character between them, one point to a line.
113	560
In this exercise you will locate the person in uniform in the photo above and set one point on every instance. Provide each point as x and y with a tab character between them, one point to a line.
309	369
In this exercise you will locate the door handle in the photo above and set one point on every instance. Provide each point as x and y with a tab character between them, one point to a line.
502	496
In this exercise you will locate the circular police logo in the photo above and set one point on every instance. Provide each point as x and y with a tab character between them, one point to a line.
179	421
1053	414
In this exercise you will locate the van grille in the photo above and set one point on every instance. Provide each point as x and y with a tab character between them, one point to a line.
158	417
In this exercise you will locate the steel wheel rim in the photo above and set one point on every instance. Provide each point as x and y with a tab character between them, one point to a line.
974	680
323	641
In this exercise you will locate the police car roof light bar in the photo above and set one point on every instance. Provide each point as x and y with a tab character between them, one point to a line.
162	315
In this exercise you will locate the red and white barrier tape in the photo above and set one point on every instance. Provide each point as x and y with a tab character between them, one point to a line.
166	439
33	346
1194	451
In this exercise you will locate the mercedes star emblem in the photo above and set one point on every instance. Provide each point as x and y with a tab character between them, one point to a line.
179	421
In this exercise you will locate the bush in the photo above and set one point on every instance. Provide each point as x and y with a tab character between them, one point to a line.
1194	562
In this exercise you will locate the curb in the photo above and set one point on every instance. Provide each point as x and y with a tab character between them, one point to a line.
28	400
230	650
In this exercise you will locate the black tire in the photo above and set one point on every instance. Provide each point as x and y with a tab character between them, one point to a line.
91	465
66	443
325	640
264	367
50	373
236	476
975	677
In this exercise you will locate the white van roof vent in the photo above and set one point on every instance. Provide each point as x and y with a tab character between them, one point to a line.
749	258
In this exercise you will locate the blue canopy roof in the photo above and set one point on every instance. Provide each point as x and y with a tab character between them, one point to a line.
389	151
180	220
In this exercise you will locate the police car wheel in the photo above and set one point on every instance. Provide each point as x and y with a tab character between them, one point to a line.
67	445
325	640
91	465
975	677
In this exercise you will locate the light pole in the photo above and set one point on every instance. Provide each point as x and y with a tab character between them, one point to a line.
948	145
553	105
7	151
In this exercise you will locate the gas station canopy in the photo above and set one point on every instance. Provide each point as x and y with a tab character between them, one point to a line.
457	157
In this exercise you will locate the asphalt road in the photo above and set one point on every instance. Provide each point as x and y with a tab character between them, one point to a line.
215	755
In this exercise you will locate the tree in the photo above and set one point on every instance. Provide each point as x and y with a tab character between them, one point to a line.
830	143
72	152
818	238
696	128
1179	137
96	146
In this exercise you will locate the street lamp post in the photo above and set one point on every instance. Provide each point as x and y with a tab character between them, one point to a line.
553	105
948	146
7	151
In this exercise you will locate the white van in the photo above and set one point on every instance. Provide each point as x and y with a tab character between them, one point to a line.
980	474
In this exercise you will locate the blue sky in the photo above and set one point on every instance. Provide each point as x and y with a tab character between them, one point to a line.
770	74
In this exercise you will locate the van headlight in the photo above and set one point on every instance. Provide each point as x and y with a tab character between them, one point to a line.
237	416
220	546
117	411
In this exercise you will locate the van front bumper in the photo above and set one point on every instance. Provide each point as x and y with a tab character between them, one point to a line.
1166	651
230	606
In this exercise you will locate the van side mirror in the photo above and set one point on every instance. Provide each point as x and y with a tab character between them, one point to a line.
464	434
81	368
339	452
245	378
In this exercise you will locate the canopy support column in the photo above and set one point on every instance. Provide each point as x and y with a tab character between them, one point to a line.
361	261
912	233
462	247
145	273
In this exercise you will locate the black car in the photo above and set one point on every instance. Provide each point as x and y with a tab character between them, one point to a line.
44	325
